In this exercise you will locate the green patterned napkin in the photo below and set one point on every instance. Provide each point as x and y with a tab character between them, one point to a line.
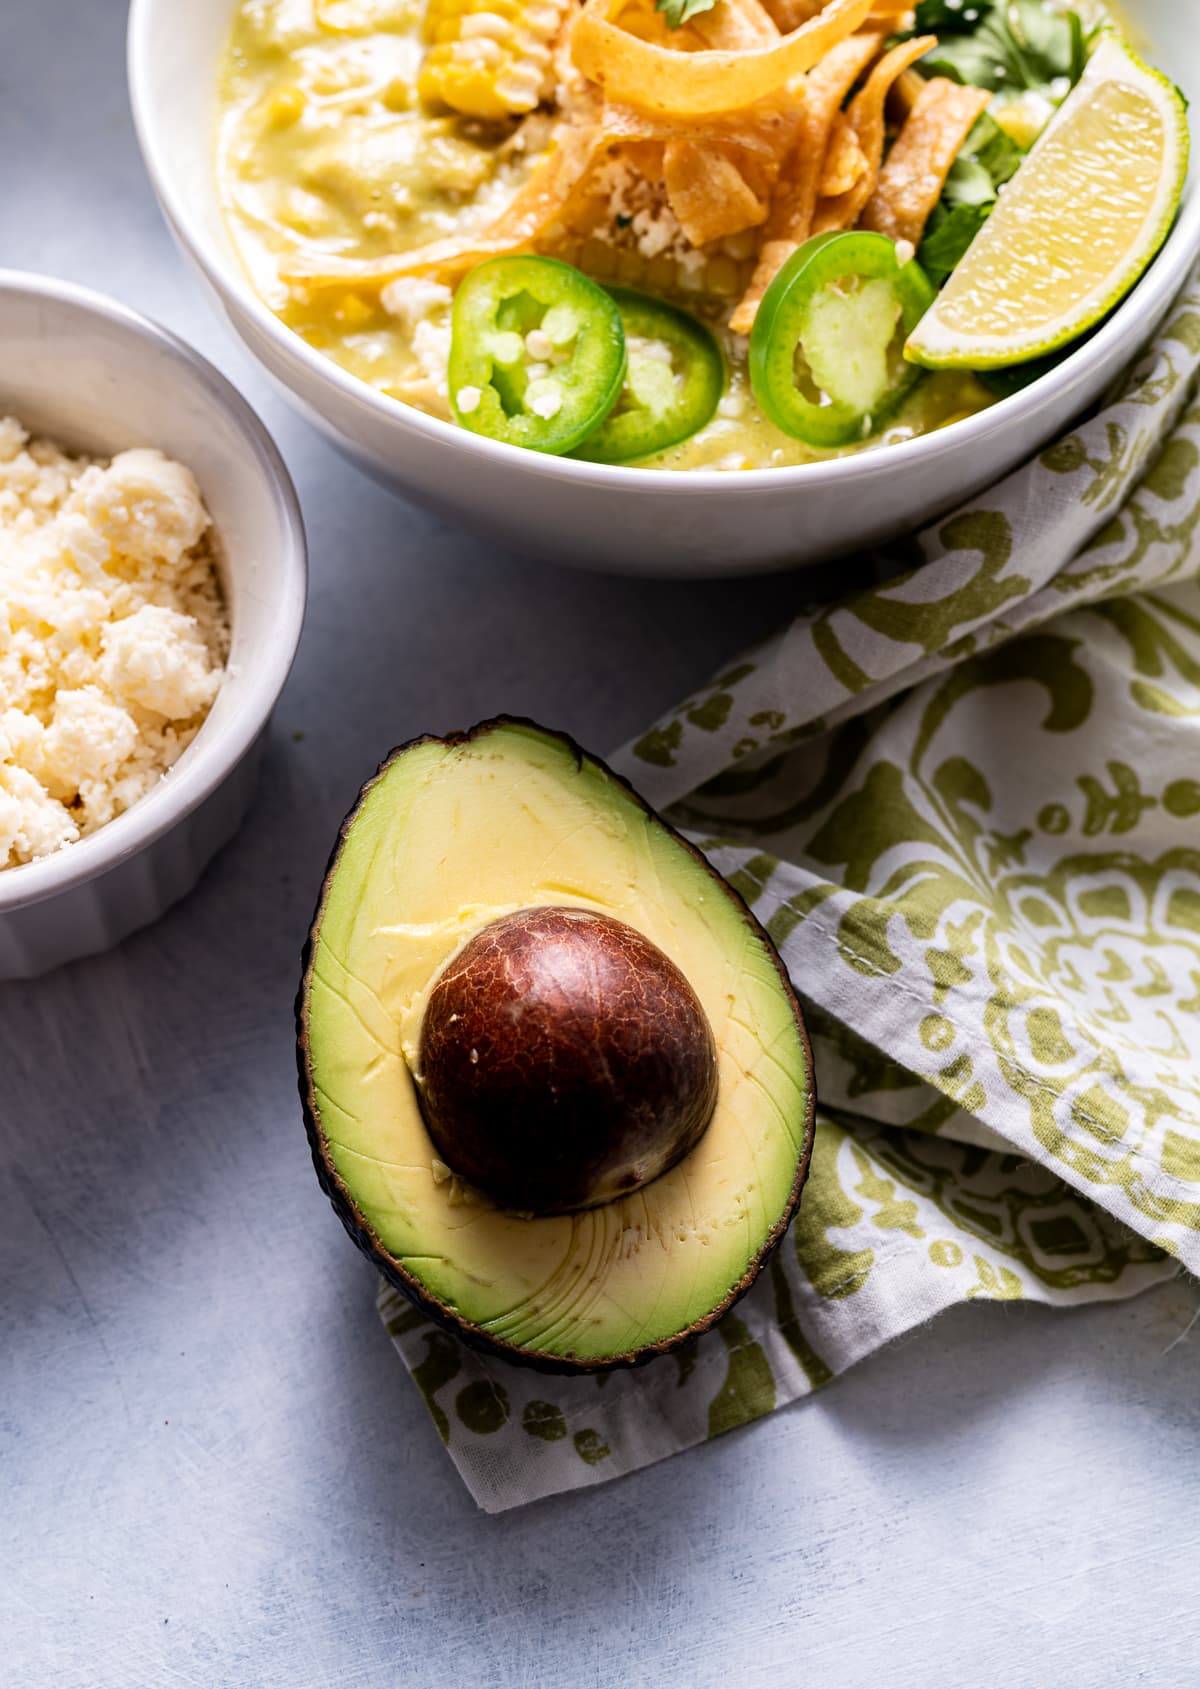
966	805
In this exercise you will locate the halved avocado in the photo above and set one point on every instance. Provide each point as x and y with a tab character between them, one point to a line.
516	964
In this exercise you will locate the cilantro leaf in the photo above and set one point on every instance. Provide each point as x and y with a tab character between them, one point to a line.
948	235
977	59
1005	382
951	17
1017	45
969	183
678	12
988	159
995	150
1051	42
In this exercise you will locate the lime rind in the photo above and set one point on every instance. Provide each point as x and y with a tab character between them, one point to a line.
934	345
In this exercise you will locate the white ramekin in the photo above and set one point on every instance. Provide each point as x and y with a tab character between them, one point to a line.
94	377
634	521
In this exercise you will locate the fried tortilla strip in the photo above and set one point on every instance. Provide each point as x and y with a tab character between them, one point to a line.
538	203
885	14
905	93
790	14
733	26
712	189
642	19
737	25
841	210
679	84
719	176
570	87
845	163
911	182
771	129
790	221
714	183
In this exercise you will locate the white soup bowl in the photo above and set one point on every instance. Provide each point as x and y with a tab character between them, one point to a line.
634	521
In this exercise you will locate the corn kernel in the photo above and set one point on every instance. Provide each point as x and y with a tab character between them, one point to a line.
354	311
284	107
597	258
741	246
340	17
662	275
721	277
397	96
488	58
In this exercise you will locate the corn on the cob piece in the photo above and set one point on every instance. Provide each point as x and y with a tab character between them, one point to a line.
490	58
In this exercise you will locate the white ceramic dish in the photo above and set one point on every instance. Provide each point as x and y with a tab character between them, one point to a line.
98	379
635	521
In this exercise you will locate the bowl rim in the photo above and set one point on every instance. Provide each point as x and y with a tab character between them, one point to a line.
1119	337
210	758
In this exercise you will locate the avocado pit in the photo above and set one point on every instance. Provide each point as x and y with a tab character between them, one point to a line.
564	1061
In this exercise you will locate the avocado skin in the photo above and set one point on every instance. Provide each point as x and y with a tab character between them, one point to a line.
343	1203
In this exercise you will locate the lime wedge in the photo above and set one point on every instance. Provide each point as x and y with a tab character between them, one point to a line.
1075	227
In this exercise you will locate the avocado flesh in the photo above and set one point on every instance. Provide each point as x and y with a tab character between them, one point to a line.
448	838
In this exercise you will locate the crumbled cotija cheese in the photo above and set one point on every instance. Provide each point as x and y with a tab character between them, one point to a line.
640	205
423	308
112	635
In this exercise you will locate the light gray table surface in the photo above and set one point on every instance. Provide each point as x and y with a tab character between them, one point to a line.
213	1470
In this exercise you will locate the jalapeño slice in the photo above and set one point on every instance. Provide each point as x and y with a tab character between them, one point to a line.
676	376
827	348
537	353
